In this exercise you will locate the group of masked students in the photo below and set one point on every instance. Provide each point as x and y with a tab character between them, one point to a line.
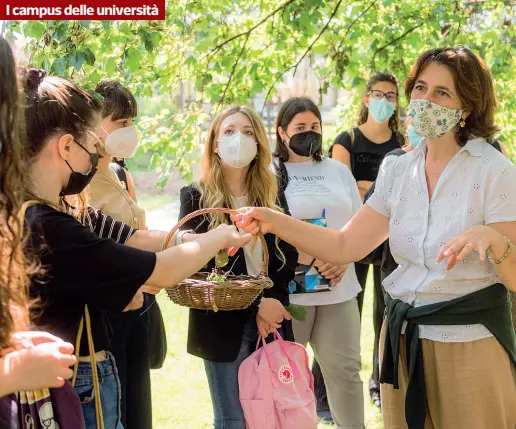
447	350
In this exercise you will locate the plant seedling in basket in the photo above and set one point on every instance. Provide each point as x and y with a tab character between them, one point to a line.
221	260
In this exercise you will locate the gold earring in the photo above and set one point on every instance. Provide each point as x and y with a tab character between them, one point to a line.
462	123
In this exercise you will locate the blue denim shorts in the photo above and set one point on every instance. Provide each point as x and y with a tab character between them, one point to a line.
109	393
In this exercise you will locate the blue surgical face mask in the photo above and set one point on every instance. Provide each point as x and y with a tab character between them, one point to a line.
381	110
413	137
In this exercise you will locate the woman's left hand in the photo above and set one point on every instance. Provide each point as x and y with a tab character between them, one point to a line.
273	312
476	239
331	272
264	329
137	301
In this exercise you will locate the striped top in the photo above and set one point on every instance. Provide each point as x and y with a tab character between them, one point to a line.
102	225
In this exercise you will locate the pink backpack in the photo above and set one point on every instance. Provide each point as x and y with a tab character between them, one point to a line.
277	387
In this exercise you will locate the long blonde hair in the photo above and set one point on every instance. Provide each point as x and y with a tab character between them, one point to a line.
260	182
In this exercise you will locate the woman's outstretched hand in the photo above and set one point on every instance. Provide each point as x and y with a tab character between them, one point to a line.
254	220
233	238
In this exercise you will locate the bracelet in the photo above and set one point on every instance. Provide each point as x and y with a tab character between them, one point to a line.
510	247
180	235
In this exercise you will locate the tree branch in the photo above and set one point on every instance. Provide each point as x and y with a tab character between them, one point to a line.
393	42
360	15
295	66
317	38
233	70
250	30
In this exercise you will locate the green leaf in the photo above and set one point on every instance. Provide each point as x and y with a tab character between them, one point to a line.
58	67
79	61
149	47
156	37
89	56
35	29
95	77
204	45
133	59
358	82
71	58
110	66
297	312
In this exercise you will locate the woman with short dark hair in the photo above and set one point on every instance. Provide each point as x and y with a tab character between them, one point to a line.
448	208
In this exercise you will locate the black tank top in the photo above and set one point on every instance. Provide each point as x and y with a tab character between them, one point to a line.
366	156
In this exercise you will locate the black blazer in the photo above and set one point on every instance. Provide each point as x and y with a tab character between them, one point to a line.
217	336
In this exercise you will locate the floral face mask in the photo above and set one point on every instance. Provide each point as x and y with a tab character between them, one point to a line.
432	120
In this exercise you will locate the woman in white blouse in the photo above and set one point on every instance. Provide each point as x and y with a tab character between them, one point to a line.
449	210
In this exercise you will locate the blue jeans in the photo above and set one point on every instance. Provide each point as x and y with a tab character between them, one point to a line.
223	381
109	393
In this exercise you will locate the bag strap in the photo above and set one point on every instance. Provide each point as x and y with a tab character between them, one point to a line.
96	385
351	133
120	171
281	171
277	337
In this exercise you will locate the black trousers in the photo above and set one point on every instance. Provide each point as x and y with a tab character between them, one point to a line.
378	314
130	346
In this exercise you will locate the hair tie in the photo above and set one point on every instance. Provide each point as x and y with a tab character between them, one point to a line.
35	77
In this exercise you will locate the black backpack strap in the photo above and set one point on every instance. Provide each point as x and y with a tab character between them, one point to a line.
120	172
281	172
351	134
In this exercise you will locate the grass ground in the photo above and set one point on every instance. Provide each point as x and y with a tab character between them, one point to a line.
154	202
180	393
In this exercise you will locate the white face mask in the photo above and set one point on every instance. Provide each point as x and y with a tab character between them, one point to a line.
237	150
121	143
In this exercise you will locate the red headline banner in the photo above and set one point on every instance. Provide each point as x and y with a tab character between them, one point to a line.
83	10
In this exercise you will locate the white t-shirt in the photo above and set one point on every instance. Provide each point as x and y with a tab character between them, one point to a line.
253	252
475	188
327	185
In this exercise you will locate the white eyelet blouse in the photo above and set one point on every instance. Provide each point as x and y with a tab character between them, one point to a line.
477	187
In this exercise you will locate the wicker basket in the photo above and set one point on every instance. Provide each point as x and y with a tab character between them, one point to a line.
237	293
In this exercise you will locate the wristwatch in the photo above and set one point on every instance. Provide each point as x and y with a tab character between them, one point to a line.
510	247
180	235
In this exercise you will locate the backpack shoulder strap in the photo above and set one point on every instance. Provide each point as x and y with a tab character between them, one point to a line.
281	171
120	172
351	133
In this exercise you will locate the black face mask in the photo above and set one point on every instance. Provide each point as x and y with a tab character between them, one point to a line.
78	181
306	144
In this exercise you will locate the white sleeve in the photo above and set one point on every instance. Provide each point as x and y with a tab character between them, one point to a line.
379	201
500	198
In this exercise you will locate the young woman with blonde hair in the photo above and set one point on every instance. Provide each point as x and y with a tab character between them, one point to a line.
236	172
